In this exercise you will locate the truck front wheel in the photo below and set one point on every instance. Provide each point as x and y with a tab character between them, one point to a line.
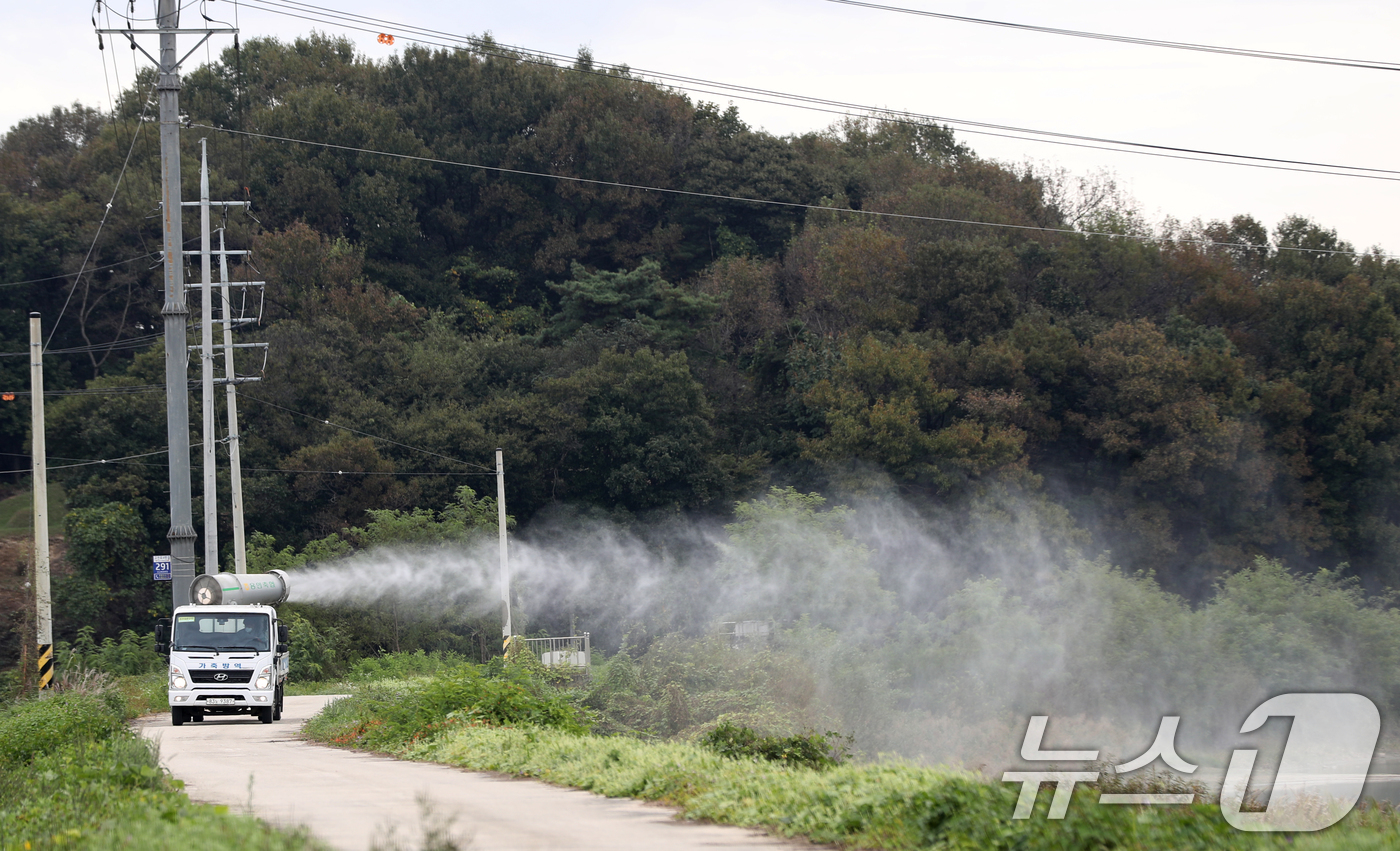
277	705
265	715
177	716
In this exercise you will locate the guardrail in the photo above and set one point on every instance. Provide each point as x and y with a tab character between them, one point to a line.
572	651
740	631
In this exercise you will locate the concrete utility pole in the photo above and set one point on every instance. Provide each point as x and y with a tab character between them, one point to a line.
235	463
206	371
230	380
505	563
39	452
175	311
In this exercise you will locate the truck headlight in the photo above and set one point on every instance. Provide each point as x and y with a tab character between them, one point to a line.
177	679
263	679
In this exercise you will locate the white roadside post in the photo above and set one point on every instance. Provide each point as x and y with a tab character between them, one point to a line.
505	563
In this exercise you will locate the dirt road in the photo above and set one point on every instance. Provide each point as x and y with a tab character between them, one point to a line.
353	800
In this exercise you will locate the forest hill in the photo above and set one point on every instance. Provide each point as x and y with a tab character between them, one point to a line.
1187	401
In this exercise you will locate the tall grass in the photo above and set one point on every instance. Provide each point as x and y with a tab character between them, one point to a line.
386	713
891	805
73	775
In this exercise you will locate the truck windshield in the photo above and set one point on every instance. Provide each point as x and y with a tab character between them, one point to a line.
216	631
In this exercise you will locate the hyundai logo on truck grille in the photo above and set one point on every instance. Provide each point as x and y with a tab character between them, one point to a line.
220	677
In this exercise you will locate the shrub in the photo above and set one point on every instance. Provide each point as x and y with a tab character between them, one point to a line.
127	655
403	665
45	724
809	750
389	714
317	654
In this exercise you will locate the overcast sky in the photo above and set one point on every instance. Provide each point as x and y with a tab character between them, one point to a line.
812	47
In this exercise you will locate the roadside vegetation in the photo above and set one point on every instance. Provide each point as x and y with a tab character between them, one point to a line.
74	775
507	718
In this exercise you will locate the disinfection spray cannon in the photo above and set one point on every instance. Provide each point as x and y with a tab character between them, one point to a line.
241	589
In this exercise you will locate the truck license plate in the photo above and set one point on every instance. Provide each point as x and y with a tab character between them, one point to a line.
219	701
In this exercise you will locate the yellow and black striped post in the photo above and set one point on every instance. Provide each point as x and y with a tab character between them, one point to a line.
45	666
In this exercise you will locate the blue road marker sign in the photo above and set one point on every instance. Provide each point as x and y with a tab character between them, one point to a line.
160	567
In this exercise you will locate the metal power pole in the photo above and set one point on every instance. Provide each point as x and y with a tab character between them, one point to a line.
43	602
175	311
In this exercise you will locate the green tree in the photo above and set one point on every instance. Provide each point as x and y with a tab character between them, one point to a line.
1337	346
664	313
882	406
849	279
639	435
1308	250
330	499
790	557
110	587
963	289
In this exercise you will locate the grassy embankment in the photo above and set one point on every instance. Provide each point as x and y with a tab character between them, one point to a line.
74	775
497	719
17	512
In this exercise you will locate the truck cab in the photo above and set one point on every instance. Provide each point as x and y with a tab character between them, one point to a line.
225	659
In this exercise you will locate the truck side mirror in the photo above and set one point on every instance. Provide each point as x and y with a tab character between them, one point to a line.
162	638
282	640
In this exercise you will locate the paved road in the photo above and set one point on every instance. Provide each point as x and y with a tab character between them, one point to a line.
352	800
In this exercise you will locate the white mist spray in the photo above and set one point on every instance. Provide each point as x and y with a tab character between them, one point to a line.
934	642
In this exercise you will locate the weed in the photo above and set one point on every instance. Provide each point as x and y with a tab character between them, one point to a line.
436	829
395	666
391	714
73	775
809	750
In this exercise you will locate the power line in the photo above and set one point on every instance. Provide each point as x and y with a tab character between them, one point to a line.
111	460
129	459
367	434
771	202
146	256
364	472
119	345
1369	64
107	211
319	14
91	391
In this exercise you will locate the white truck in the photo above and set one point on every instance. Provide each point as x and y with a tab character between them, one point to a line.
228	651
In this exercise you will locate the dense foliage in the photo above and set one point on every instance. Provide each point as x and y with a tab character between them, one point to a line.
1187	398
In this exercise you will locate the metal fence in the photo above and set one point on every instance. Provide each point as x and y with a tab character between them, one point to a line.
745	631
573	651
